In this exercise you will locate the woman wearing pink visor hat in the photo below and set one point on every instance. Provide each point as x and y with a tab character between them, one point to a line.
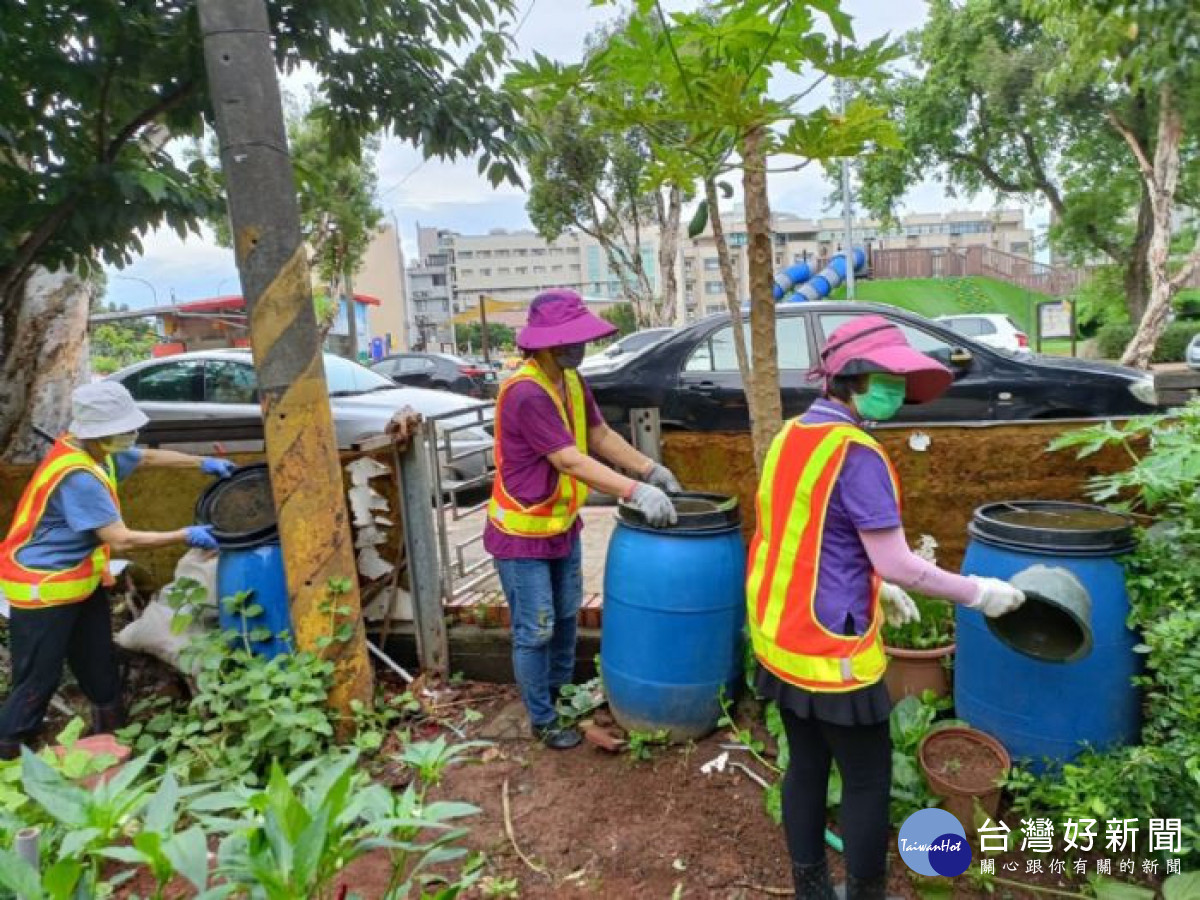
828	565
550	438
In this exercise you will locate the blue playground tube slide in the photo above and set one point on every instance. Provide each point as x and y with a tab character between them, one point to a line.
797	283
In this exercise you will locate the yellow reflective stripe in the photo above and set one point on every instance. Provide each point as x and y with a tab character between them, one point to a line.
766	492
866	666
797	523
569	494
74	589
524	524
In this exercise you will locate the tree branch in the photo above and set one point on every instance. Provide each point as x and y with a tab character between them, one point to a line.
1139	152
994	178
165	104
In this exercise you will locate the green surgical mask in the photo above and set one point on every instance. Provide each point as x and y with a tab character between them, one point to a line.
883	397
119	442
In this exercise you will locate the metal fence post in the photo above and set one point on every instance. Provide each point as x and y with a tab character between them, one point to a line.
646	432
420	539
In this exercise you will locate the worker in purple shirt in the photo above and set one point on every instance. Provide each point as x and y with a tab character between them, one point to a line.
550	438
828	565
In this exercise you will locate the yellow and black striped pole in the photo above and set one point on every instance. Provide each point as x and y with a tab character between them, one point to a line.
314	527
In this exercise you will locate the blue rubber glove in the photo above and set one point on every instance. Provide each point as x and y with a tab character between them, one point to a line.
217	467
200	537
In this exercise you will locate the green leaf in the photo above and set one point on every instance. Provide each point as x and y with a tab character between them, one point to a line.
18	876
1184	886
71	733
66	802
62	878
1109	889
188	853
160	812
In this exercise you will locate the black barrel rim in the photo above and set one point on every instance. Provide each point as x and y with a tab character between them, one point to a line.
725	514
236	540
1000	523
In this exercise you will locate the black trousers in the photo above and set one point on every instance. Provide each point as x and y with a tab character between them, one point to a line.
864	757
41	640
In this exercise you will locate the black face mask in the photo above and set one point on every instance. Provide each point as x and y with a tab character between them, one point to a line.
569	357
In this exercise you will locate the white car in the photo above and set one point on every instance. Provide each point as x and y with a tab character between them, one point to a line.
1193	353
992	329
623	350
222	384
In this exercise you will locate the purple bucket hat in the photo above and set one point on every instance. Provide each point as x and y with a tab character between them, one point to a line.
873	344
558	318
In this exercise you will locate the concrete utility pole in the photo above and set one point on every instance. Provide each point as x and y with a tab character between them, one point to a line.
847	204
302	454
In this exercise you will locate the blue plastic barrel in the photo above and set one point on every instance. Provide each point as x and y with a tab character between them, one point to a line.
674	607
259	572
241	511
1040	708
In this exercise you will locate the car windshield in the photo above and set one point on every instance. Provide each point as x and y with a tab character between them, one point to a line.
345	378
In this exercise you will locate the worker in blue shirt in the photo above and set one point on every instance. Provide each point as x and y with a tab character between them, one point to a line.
54	561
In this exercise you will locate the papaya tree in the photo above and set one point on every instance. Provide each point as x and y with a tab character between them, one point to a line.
704	88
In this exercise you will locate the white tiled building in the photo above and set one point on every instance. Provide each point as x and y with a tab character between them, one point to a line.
455	270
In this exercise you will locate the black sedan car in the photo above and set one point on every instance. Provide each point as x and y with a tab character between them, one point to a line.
439	371
692	376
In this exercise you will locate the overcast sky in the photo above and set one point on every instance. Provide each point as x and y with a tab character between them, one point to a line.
452	195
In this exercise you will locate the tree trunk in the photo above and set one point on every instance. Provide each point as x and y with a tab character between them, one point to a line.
668	255
766	405
731	295
1137	271
43	355
1162	179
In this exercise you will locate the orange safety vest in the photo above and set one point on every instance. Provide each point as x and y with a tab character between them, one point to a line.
798	479
30	588
557	513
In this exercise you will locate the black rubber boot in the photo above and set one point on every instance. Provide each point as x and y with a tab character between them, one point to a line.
558	738
867	888
109	718
812	881
10	750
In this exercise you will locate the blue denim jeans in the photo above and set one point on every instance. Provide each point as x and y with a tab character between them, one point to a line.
544	597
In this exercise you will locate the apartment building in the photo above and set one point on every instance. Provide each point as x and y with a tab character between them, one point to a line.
382	276
455	270
517	265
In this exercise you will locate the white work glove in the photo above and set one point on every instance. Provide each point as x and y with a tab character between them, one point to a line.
996	597
898	608
663	479
654	505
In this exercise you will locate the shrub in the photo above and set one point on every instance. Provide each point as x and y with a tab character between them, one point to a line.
1113	339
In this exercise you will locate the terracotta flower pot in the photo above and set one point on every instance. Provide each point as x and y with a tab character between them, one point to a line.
964	767
912	672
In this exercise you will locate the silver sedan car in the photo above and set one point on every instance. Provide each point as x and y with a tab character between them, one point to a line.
222	384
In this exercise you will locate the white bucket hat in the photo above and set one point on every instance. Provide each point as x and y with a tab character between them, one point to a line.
103	409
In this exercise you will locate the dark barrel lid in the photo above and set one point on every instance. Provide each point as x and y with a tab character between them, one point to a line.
1053	525
240	508
698	513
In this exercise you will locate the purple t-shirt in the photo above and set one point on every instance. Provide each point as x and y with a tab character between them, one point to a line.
532	429
863	500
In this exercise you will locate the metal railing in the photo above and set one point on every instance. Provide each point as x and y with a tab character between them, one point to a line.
453	444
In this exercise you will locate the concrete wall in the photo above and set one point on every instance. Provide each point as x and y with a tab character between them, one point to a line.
963	468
